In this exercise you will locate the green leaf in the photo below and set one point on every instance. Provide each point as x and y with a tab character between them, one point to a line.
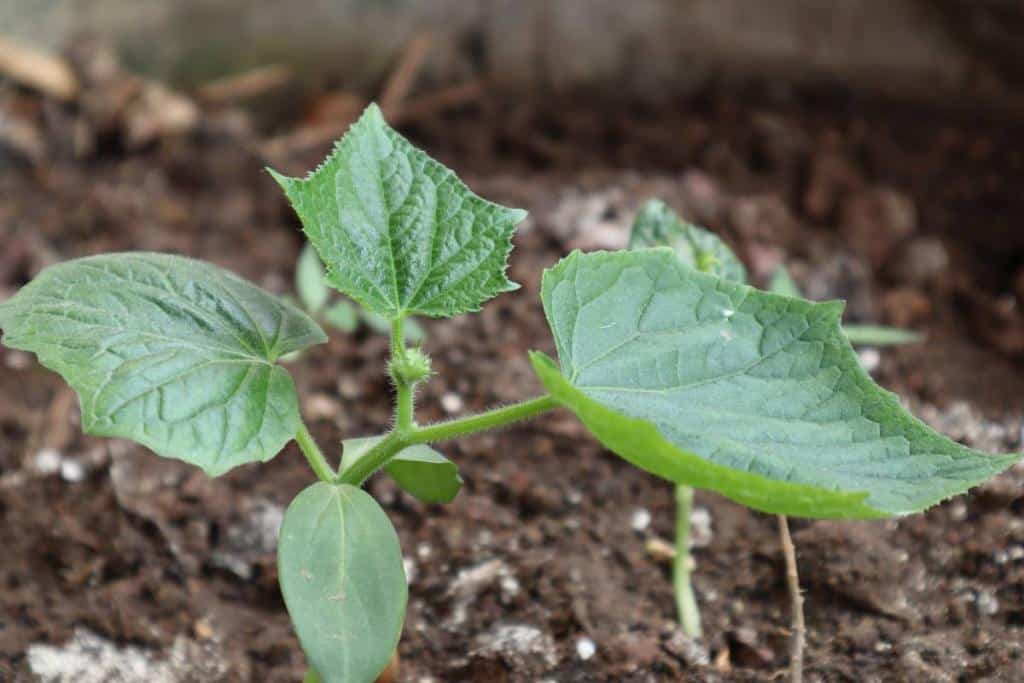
176	354
399	232
311	280
658	226
342	316
873	335
782	283
757	396
880	335
343	581
426	474
419	470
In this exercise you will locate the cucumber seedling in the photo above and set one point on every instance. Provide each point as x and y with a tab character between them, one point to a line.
692	376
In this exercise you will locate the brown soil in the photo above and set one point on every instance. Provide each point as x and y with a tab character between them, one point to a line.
540	550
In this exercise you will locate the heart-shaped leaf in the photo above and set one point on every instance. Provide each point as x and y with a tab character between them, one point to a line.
419	470
721	386
173	353
343	581
658	226
398	232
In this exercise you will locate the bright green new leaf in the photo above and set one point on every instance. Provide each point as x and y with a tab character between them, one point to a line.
342	315
311	280
419	470
173	353
721	386
343	581
398	232
880	335
658	226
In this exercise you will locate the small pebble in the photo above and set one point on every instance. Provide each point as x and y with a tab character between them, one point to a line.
409	565
452	403
700	528
585	648
958	511
641	519
988	604
17	360
48	461
869	359
72	471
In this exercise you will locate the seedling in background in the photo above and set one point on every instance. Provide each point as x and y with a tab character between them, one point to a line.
688	375
657	226
341	314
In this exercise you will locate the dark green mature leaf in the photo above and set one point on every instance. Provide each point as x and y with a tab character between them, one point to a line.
419	470
176	354
721	386
311	280
399	232
343	581
658	226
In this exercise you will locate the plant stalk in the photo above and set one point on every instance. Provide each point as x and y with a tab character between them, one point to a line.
404	390
314	455
491	419
686	601
397	439
796	646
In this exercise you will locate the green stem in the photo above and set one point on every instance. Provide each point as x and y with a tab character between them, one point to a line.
491	419
314	455
686	602
396	440
404	390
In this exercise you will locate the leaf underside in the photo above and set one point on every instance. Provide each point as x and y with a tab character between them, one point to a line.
658	226
399	232
173	353
343	581
754	395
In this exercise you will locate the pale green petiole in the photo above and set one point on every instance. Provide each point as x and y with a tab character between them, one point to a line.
686	601
314	455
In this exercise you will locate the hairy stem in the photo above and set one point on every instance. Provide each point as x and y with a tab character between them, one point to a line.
314	455
397	439
404	390
686	601
796	647
491	419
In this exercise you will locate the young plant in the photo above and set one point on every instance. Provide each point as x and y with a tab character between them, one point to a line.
698	379
656	225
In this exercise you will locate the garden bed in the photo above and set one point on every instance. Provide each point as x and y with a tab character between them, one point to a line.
542	567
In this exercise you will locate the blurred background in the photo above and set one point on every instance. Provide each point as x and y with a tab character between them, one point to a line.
872	148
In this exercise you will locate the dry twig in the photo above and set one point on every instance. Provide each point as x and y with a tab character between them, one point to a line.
796	649
36	69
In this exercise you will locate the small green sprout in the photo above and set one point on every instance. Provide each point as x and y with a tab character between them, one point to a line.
692	376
